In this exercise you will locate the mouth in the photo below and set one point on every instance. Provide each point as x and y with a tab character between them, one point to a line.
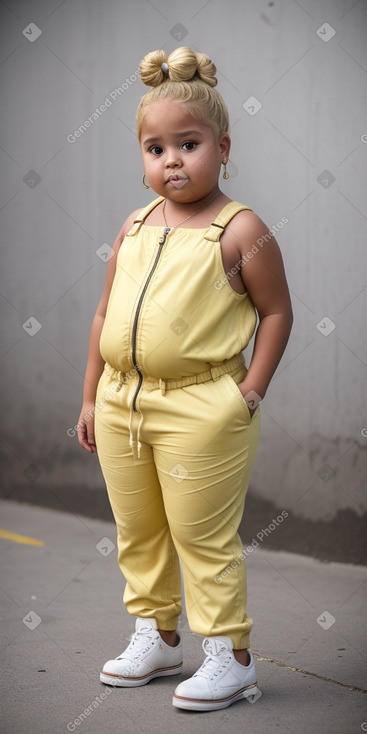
176	180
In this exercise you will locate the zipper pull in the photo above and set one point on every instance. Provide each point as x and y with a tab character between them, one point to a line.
164	236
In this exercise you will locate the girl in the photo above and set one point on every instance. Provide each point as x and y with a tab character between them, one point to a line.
176	409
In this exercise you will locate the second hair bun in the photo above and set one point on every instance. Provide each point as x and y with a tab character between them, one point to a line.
183	65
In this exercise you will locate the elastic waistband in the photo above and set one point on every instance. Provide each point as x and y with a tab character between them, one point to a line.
214	373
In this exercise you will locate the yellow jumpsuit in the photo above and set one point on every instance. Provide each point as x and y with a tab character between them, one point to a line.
175	440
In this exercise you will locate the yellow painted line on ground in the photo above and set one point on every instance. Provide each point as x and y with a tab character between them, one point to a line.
20	538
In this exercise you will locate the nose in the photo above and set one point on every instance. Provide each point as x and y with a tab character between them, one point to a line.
172	158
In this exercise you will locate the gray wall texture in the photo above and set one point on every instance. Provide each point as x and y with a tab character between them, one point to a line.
293	75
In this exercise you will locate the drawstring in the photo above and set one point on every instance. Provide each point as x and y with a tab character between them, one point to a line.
131	441
135	444
138	435
121	377
214	373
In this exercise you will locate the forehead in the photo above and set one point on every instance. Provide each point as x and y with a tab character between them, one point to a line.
170	115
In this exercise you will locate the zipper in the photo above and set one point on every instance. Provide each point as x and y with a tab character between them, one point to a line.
161	241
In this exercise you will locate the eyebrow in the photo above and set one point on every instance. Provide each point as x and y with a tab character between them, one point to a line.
178	135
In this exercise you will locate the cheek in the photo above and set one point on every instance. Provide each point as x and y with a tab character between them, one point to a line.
206	165
199	163
155	167
149	163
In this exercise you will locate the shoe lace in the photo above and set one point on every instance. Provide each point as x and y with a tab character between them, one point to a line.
218	658
140	642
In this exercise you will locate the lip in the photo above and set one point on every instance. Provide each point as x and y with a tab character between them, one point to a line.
177	180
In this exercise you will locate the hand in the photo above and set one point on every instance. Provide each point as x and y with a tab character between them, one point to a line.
251	410
243	393
86	428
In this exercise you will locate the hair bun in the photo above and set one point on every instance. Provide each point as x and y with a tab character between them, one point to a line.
181	65
150	68
206	69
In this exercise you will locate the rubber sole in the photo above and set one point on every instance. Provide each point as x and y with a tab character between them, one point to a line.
251	694
131	682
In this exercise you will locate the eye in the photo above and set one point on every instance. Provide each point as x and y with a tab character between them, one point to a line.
156	150
191	145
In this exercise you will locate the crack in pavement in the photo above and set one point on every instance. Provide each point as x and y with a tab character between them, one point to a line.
308	672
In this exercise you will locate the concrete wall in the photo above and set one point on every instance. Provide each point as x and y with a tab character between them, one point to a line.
302	156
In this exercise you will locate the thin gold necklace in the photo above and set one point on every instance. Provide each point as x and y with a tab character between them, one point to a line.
191	215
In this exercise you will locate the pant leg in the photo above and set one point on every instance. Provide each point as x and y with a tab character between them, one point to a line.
204	461
146	554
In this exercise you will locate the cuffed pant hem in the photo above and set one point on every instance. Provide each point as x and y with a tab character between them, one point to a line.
240	642
169	625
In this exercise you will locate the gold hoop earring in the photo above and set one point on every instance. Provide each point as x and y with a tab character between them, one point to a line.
144	184
225	172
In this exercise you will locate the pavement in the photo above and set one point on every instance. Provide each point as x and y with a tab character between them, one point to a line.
63	616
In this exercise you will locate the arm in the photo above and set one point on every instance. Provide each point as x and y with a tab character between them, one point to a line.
265	280
95	363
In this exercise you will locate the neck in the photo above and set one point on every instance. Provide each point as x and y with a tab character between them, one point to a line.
181	209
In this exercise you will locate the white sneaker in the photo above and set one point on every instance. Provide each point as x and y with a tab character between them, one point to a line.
146	657
220	680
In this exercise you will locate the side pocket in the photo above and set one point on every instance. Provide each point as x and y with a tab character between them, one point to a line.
236	392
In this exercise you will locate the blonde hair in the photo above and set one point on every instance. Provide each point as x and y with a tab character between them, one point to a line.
188	78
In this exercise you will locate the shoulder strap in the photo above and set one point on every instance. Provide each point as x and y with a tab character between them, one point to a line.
142	215
228	212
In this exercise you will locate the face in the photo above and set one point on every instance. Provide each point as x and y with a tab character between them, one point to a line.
181	156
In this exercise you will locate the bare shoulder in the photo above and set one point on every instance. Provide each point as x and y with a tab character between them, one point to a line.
241	233
262	267
246	226
248	233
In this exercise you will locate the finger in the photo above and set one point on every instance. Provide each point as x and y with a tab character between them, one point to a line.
82	432
85	445
92	442
83	438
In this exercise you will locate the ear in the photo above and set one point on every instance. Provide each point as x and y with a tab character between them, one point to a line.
224	143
